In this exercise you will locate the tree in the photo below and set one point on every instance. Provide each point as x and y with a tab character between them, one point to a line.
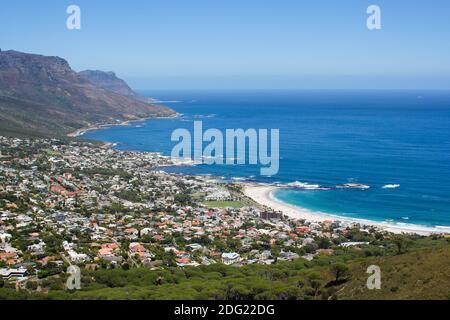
315	282
31	285
324	243
341	272
233	244
402	243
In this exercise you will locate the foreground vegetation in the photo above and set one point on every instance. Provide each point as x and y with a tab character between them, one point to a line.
421	273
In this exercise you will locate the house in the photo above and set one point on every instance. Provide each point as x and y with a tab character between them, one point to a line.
186	262
132	231
303	230
110	246
77	257
218	195
146	231
5	237
36	249
57	189
231	258
4	256
288	255
265	255
13	273
353	244
136	248
271	215
194	246
206	261
44	261
68	245
183	261
105	252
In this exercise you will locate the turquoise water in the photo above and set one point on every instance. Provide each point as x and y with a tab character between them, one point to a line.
396	143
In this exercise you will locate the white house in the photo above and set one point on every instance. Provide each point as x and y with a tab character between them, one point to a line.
77	257
13	273
231	258
353	244
194	246
37	248
5	237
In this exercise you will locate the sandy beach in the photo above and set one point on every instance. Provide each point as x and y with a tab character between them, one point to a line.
263	194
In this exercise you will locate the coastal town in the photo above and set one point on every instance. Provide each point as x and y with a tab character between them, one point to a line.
83	203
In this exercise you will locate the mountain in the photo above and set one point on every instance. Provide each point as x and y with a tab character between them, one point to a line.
108	81
43	95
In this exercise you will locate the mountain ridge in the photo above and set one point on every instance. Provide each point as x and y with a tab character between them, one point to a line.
108	80
43	95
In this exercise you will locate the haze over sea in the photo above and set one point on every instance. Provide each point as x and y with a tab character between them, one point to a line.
396	142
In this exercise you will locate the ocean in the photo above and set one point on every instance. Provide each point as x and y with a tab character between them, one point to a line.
395	142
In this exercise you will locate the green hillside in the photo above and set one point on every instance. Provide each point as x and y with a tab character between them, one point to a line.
422	273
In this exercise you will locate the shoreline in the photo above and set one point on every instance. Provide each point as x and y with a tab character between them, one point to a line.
82	131
263	194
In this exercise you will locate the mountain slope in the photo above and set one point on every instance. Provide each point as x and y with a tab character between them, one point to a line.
42	94
108	81
422	274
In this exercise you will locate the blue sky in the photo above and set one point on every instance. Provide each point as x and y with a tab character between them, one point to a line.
242	44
